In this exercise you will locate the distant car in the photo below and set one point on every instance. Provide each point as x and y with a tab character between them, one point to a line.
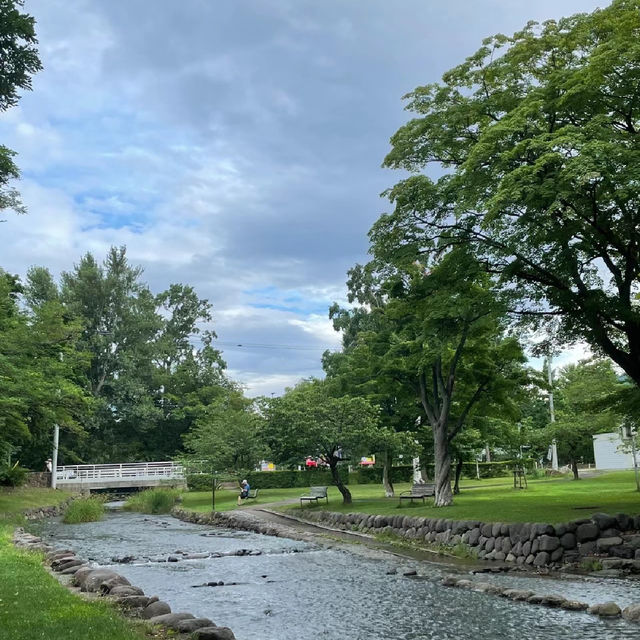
310	462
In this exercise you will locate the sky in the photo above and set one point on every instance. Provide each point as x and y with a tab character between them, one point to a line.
234	146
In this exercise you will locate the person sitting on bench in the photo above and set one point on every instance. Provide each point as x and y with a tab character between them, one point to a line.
244	491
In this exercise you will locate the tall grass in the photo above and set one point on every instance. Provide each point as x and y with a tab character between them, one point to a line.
153	501
84	510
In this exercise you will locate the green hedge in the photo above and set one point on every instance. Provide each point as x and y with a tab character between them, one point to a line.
274	479
404	473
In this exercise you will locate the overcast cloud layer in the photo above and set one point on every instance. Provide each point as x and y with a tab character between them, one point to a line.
233	146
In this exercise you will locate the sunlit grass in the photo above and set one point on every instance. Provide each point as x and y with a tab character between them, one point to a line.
490	500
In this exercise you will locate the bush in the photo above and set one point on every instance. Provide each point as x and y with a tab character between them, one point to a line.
84	510
288	479
153	501
291	479
13	475
404	473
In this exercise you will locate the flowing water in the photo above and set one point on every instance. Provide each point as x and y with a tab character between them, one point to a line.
295	589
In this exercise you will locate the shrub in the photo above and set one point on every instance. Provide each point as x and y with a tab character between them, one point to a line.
13	475
153	501
287	479
84	510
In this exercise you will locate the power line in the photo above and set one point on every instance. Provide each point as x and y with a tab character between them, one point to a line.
262	345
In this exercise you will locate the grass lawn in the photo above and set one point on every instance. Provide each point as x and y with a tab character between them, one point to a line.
32	602
226	499
491	500
13	501
548	500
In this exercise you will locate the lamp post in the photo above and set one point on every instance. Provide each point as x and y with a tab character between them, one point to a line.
54	456
552	416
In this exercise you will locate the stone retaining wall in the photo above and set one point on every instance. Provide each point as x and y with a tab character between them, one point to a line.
601	535
38	479
38	513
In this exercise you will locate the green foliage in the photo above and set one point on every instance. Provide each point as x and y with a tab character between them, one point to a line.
19	62
12	475
284	479
538	135
309	421
404	473
228	435
153	501
41	371
579	393
84	510
439	330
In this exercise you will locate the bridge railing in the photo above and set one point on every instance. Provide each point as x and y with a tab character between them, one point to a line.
89	473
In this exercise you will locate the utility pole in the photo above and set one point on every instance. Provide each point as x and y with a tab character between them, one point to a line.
552	415
54	457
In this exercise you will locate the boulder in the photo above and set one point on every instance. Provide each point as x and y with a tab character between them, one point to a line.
490	544
473	536
526	548
568	541
553	600
632	541
517	594
188	626
92	580
574	605
605	610
126	590
154	609
587	531
495	529
624	522
557	554
604	520
117	581
604	544
486	530
134	602
71	571
213	633
587	548
622	551
171	620
632	613
549	543
541	559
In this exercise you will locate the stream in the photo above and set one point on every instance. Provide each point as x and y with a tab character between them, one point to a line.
289	589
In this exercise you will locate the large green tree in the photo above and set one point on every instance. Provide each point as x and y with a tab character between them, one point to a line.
19	61
582	395
228	434
538	137
41	375
443	336
312	420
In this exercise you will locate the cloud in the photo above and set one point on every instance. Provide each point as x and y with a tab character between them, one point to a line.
232	146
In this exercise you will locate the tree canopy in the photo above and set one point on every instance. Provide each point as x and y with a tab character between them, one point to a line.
20	61
537	134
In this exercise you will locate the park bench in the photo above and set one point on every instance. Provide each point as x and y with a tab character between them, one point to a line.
419	491
315	494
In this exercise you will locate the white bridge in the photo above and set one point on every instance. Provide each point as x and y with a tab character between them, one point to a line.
120	476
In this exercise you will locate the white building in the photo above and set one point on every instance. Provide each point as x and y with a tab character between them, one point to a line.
611	451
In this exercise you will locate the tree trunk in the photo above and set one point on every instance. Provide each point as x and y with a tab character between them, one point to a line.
443	497
456	485
487	452
386	475
574	468
424	474
346	494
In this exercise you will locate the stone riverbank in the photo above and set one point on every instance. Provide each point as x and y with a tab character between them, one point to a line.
613	541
